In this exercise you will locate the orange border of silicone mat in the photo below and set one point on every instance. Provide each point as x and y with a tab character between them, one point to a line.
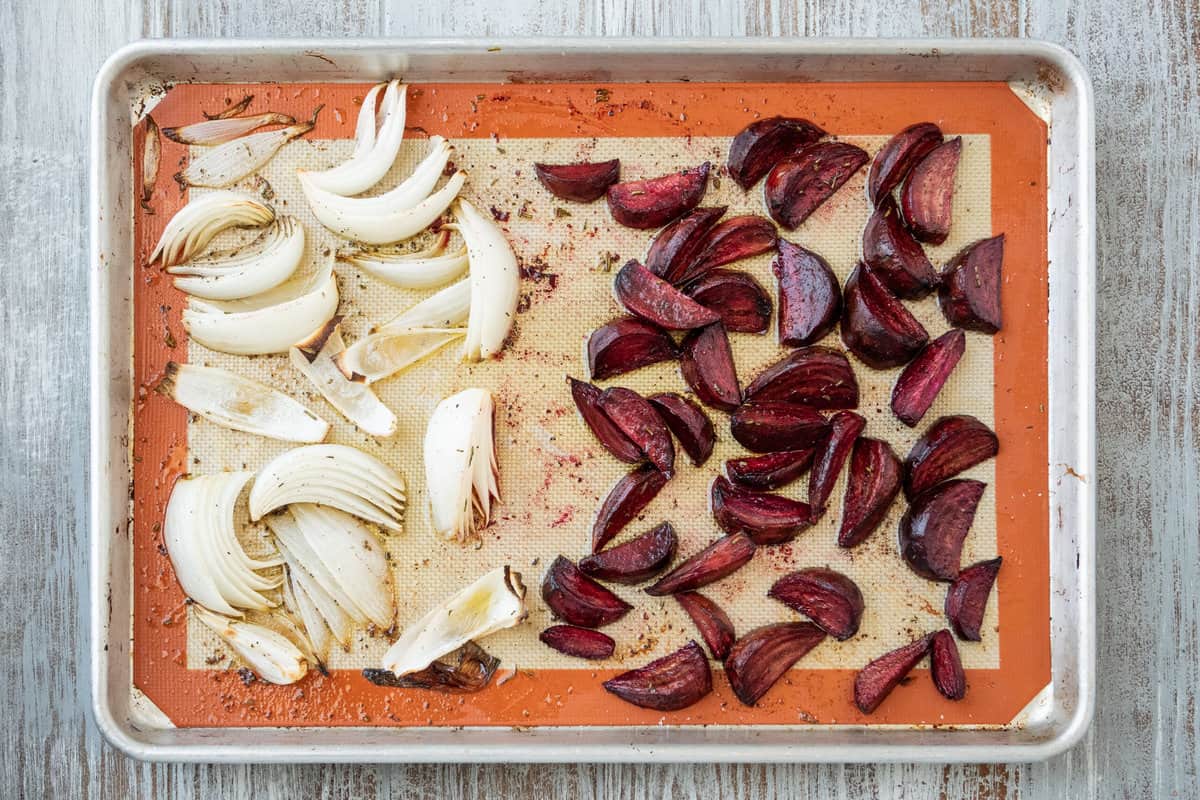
574	697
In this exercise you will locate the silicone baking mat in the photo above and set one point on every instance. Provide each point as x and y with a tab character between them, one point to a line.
553	474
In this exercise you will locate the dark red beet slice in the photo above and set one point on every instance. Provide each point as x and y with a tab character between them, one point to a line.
844	428
810	299
929	192
666	684
770	470
582	183
966	600
801	183
876	326
641	423
813	376
872	485
762	144
946	667
949	446
894	160
689	423
578	642
656	201
876	680
625	501
970	292
676	245
740	300
721	558
713	623
587	400
579	600
830	599
935	525
894	256
732	240
635	560
650	297
766	518
707	365
771	427
626	344
919	382
761	657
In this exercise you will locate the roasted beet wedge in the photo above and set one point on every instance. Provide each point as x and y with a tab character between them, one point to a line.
707	365
830	599
642	424
587	400
740	300
732	240
626	344
721	558
761	657
810	299
771	427
844	429
711	621
812	376
966	600
876	680
689	423
970	292
766	518
896	258
896	158
578	642
949	446
762	144
676	245
635	560
872	485
667	684
650	297
920	381
625	501
582	182
929	192
656	201
946	667
935	525
579	600
770	470
801	183
876	326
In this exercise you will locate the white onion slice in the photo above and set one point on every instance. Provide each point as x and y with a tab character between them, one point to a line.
495	283
297	601
352	555
271	655
331	475
381	355
228	163
194	225
261	265
218	131
367	166
272	329
232	401
424	269
340	621
447	308
460	464
492	603
354	400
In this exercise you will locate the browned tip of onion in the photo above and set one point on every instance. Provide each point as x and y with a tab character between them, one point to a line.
231	111
467	670
311	347
151	154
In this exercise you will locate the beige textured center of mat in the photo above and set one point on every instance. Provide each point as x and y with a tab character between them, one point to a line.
553	474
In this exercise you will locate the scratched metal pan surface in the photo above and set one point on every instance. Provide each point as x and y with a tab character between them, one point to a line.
1049	83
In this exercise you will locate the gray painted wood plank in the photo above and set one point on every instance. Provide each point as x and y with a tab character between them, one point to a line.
1143	58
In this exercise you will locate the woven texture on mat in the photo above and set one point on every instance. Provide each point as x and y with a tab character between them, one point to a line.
553	474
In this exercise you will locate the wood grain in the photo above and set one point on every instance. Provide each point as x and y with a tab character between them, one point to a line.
1143	59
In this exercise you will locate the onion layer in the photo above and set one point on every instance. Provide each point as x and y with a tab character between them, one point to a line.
228	163
495	284
354	400
194	225
374	154
262	265
460	464
424	269
271	655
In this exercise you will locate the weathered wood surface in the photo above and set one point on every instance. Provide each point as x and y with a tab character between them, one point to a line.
1143	58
